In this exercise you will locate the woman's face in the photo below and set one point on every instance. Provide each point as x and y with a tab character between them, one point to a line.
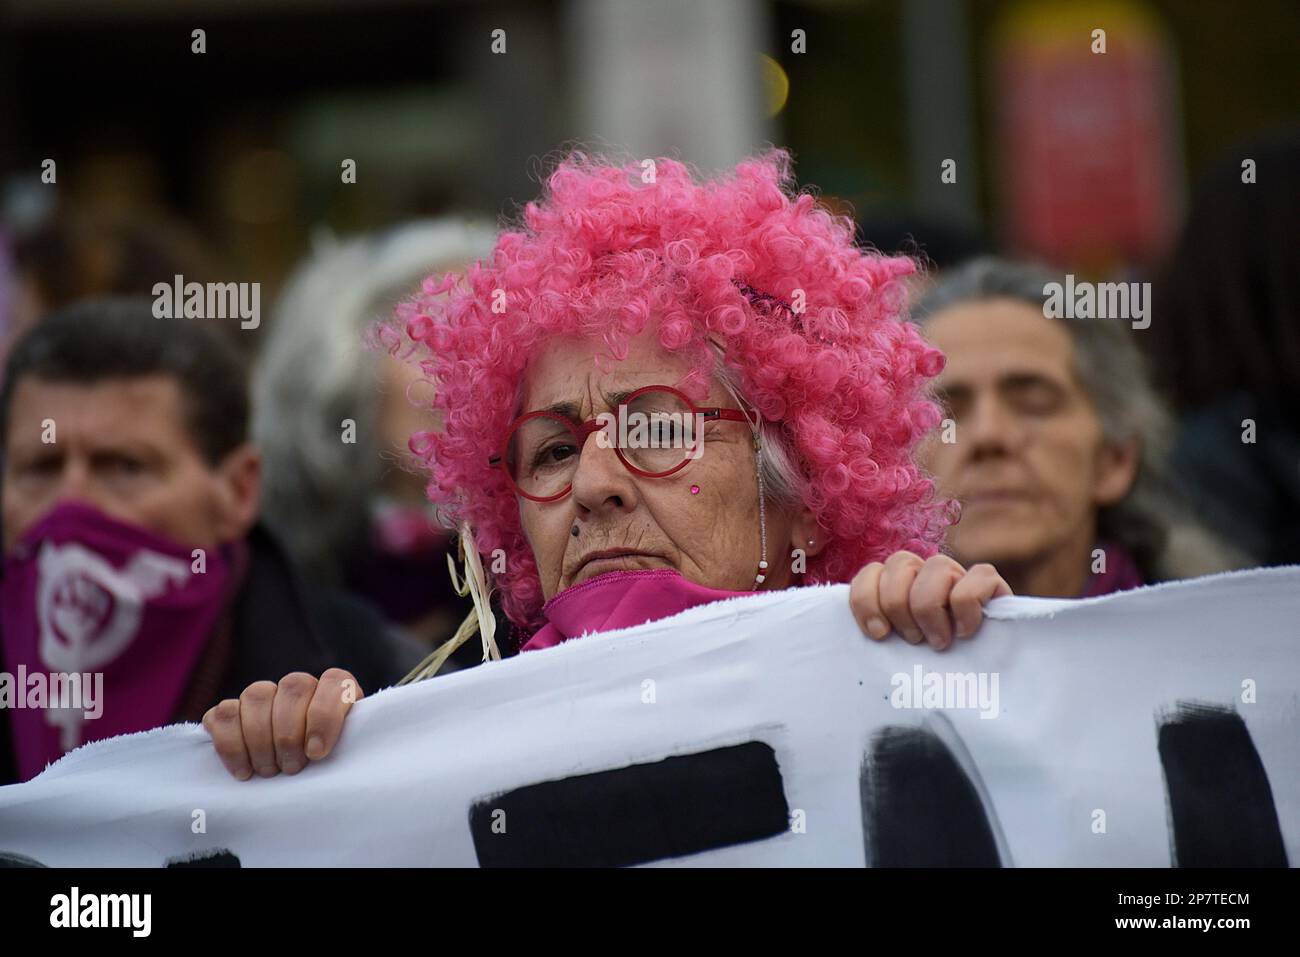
1029	463
711	537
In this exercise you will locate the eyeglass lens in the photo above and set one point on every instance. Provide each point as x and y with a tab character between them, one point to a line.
656	433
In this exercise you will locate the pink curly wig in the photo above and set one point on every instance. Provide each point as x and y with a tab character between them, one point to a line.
601	254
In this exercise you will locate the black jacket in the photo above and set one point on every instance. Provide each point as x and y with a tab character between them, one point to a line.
1246	492
279	624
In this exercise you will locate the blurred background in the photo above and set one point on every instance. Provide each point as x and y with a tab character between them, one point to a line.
243	143
335	151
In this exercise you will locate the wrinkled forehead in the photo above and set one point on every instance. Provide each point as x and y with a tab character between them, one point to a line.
580	377
988	340
148	409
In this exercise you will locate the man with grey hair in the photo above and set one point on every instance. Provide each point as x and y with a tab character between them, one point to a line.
1054	442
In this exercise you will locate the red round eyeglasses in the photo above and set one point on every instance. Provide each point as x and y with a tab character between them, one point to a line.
656	432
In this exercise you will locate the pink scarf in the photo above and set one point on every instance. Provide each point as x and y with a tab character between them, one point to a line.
101	625
620	600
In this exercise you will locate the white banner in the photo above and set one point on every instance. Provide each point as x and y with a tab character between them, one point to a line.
1149	728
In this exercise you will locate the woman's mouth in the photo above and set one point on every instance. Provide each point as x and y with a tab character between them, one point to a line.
995	498
615	559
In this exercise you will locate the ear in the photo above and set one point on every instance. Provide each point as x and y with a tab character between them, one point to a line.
239	492
1117	469
805	533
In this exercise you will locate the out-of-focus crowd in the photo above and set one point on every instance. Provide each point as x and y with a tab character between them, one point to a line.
1087	455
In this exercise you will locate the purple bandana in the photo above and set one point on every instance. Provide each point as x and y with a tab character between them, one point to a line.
101	624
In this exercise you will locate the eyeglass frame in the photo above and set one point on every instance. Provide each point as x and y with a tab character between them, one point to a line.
583	430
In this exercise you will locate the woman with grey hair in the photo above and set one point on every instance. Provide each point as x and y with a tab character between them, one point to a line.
333	416
1055	442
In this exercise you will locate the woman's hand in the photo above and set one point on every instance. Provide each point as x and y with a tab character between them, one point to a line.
931	600
281	727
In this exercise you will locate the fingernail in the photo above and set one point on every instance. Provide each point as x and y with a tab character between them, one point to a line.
315	747
877	628
268	770
244	774
291	766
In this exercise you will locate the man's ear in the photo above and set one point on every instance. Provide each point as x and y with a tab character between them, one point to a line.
239	492
1117	470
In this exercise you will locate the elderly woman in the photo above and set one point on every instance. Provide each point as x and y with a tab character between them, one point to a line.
353	513
659	393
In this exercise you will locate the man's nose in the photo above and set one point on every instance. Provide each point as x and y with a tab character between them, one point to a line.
74	484
601	481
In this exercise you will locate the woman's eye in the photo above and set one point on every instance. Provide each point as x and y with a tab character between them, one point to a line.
663	431
552	455
955	404
1037	399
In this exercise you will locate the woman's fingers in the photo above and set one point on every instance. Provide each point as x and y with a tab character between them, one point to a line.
901	569
934	600
222	722
255	720
337	691
929	599
864	601
977	587
274	727
289	720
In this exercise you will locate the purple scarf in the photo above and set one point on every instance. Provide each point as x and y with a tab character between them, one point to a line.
1121	572
124	610
620	600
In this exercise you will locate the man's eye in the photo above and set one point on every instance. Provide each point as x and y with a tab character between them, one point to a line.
124	465
39	467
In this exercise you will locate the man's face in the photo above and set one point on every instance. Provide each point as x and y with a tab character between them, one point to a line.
1029	464
711	536
123	446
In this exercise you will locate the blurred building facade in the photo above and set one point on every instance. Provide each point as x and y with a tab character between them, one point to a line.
455	107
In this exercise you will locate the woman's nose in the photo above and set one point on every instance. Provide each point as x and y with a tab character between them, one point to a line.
990	428
601	480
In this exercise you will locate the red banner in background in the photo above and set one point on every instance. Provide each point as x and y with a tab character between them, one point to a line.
1087	156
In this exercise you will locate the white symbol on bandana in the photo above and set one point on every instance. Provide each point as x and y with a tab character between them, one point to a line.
89	612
